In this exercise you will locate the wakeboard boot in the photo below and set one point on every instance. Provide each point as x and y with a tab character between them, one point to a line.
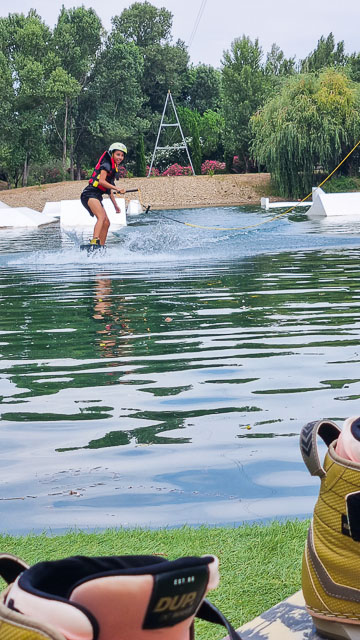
93	245
331	560
109	598
13	624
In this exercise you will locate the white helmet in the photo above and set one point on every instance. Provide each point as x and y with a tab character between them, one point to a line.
117	146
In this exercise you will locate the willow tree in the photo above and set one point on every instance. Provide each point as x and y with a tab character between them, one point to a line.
308	126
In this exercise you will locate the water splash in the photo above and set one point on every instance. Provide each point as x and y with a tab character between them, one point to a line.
155	239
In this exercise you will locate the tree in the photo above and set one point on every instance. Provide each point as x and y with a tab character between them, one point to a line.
187	118
67	93
6	118
25	52
140	169
196	155
211	129
276	63
204	90
115	110
144	25
243	89
165	65
312	123
277	68
61	91
353	66
326	54
77	39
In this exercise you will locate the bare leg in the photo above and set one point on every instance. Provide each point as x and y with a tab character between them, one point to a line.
102	221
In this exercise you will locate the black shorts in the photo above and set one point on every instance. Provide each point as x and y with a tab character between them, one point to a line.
90	192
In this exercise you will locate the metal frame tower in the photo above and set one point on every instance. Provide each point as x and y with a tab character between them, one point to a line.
174	124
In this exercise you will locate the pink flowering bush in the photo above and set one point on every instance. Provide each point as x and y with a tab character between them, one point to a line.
122	172
237	165
154	172
53	174
177	170
210	167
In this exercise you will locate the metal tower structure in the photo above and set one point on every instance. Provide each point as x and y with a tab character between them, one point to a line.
174	124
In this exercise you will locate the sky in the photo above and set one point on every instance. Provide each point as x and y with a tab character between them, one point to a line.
210	26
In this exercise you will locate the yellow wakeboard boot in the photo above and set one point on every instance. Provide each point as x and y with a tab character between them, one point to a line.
331	560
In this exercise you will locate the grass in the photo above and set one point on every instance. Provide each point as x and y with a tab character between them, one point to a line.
259	565
341	184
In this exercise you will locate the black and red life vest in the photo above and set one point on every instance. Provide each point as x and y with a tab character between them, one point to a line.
110	175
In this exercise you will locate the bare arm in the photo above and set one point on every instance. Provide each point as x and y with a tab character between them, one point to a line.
113	200
107	185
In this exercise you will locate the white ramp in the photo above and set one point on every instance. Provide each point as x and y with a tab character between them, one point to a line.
73	214
52	209
11	217
334	204
4	206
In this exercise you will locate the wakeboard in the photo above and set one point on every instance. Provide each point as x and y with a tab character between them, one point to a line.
93	248
287	620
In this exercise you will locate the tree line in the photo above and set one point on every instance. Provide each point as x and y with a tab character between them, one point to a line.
68	92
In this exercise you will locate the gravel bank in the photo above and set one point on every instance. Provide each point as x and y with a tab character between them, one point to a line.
161	193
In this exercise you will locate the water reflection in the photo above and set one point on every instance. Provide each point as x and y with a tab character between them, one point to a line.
110	315
170	382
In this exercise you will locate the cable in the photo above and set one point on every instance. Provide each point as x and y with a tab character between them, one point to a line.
196	24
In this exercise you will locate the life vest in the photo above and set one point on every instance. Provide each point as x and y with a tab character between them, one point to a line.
95	176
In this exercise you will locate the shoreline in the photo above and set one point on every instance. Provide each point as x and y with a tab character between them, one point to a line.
175	192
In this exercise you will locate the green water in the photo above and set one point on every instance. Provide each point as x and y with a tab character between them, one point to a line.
167	381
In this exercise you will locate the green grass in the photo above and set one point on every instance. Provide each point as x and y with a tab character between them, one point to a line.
341	184
259	565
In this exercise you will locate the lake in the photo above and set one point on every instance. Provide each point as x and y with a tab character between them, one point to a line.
166	382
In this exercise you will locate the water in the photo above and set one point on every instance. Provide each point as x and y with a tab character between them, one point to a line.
167	381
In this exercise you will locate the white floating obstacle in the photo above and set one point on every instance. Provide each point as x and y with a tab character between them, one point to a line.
11	217
266	204
73	214
322	204
334	204
134	208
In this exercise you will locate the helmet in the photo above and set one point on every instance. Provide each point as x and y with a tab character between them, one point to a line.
117	146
